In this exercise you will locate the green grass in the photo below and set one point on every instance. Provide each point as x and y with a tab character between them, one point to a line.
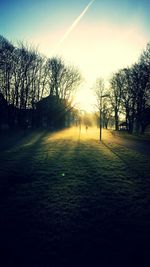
67	200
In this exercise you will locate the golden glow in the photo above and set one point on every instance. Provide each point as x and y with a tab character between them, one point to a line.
102	49
85	99
75	134
98	49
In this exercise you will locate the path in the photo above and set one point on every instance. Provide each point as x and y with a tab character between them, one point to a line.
141	146
67	200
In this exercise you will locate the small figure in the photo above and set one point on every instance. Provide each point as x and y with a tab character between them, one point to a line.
86	127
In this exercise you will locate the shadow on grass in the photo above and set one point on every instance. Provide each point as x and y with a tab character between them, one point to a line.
71	203
13	139
16	156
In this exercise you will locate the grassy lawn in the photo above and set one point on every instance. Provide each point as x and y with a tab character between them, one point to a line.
67	200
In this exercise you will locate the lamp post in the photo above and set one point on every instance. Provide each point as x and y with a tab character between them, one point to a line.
100	122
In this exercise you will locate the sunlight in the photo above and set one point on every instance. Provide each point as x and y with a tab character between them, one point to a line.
85	99
98	49
75	134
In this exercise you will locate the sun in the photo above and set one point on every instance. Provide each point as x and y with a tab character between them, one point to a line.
85	100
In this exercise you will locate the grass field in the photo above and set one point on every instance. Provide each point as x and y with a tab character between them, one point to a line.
67	200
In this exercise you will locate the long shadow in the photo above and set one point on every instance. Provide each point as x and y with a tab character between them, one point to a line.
96	230
134	169
13	139
135	143
113	238
16	163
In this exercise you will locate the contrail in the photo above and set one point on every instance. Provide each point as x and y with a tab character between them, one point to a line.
74	24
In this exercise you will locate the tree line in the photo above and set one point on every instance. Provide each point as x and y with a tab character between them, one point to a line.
129	95
26	77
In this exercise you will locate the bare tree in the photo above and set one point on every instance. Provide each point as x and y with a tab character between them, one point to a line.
62	80
115	96
102	105
6	50
131	93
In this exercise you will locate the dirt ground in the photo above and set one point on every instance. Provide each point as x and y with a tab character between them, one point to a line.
68	200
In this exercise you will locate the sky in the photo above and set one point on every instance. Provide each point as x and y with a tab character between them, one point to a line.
98	36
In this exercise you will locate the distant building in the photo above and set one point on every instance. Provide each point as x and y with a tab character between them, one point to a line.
53	112
50	112
123	126
12	117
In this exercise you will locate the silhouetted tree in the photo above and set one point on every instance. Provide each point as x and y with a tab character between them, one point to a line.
116	83
143	92
130	92
62	80
6	50
103	102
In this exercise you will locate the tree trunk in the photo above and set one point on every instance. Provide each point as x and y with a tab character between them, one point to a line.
143	127
116	120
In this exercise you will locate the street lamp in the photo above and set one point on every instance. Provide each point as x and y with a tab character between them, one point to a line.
100	122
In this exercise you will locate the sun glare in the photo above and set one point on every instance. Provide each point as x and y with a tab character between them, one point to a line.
85	99
99	49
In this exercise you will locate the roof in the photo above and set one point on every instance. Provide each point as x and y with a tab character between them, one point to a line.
123	124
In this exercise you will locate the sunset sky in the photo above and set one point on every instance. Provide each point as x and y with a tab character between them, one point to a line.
97	36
